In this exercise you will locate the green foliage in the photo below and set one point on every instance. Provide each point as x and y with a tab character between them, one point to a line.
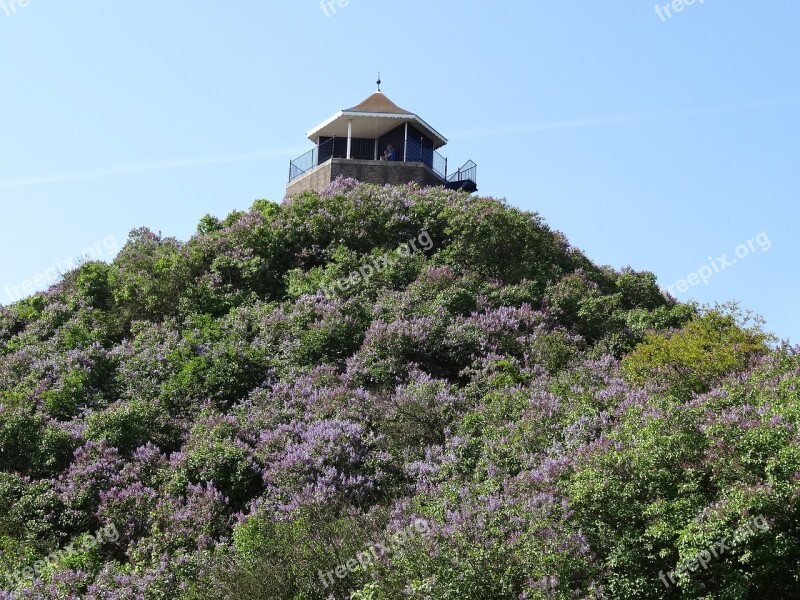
208	224
250	423
693	359
371	591
31	308
92	282
132	423
285	559
347	273
664	318
213	360
25	532
73	394
148	276
29	445
504	243
639	290
213	454
579	303
311	332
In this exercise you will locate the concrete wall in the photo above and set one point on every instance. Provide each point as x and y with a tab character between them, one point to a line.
368	171
316	179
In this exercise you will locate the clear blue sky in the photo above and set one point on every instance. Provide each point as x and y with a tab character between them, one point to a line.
655	142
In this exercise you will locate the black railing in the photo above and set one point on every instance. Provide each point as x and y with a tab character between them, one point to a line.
422	151
312	158
411	150
362	149
468	172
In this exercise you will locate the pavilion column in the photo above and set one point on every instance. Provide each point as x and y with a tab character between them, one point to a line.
349	136
405	145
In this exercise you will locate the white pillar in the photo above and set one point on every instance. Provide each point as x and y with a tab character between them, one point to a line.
349	135
405	145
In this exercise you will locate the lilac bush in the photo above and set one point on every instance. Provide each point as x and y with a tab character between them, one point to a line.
324	462
563	430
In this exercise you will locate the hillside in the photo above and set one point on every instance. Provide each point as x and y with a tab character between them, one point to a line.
392	393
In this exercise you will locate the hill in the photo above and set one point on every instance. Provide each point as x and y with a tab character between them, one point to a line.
391	393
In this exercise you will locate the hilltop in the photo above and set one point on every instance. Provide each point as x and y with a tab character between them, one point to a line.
390	392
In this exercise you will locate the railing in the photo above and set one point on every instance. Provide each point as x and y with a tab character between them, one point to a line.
439	165
410	150
468	172
311	159
422	151
362	149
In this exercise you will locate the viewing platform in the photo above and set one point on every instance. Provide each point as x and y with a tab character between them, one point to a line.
378	142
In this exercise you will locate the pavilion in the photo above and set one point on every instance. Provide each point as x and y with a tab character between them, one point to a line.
376	141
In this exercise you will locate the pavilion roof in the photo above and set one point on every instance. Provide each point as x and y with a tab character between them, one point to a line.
377	103
372	118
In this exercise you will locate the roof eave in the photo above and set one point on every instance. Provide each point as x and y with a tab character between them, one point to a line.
435	133
323	125
438	137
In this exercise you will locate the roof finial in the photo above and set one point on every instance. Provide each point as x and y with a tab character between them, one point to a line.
379	81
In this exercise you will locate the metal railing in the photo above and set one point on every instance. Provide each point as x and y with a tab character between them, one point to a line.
439	165
362	149
468	172
410	150
422	151
312	158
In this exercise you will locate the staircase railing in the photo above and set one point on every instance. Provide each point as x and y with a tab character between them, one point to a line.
468	172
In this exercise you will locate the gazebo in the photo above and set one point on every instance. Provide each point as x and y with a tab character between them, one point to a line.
376	141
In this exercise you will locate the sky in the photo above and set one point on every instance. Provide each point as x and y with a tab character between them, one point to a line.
663	136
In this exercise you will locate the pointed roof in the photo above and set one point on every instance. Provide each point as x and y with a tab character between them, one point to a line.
373	117
377	103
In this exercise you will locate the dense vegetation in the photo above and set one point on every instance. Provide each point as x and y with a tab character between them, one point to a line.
486	416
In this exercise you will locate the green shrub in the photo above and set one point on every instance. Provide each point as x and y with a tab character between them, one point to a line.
129	424
288	559
31	446
693	359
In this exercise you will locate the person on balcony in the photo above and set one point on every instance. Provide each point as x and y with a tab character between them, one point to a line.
390	153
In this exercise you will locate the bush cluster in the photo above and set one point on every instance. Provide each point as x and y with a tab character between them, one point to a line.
563	430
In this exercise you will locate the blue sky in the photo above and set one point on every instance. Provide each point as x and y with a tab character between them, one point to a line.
665	143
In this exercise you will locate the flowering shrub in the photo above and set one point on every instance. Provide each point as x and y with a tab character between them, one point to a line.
328	462
213	453
563	430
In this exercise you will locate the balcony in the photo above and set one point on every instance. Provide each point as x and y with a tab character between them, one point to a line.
405	150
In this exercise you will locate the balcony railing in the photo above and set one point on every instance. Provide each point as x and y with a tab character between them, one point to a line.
422	151
311	159
365	149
